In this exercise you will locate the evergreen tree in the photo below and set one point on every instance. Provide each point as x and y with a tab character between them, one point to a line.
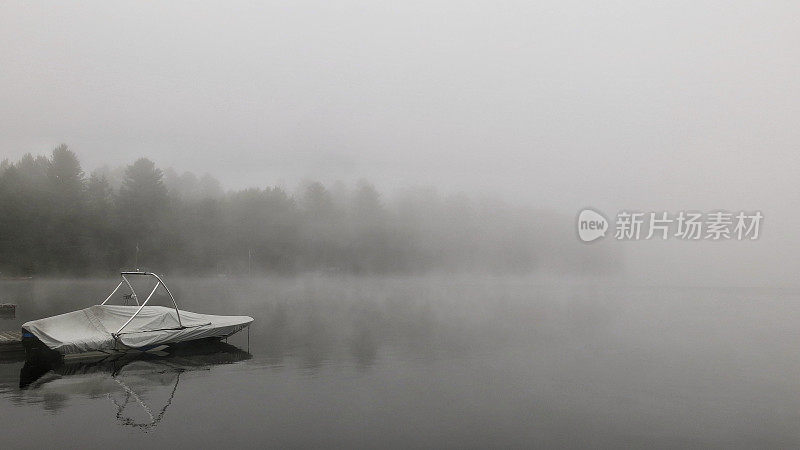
141	205
66	232
99	210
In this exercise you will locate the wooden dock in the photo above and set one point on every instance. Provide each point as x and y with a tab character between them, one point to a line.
11	342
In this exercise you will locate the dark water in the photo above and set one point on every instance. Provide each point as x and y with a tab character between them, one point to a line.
427	362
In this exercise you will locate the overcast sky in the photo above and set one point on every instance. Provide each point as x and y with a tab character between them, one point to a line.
640	105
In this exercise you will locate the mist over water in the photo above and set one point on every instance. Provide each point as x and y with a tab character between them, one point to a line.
435	361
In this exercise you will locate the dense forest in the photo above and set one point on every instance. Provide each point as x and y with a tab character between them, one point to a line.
57	220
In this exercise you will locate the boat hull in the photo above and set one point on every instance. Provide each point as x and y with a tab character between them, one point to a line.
107	329
37	351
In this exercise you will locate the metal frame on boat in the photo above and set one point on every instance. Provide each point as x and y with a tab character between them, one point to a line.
159	282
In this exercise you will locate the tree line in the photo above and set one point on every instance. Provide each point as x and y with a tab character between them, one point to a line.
57	220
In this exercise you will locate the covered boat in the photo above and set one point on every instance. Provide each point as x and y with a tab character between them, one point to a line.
120	328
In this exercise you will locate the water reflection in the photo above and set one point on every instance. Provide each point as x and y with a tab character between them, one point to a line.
140	387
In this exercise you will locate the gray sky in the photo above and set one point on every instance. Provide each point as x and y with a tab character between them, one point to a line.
638	105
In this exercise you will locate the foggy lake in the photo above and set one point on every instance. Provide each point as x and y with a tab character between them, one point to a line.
412	361
517	224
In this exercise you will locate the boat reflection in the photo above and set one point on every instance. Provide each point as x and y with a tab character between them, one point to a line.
135	385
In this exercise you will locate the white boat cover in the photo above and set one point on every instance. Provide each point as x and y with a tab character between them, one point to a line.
90	329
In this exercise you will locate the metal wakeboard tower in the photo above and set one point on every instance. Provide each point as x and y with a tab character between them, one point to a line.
159	282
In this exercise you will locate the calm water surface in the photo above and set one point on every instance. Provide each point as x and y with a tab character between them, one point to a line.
426	362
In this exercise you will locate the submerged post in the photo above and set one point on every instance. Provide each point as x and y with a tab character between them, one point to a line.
8	310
